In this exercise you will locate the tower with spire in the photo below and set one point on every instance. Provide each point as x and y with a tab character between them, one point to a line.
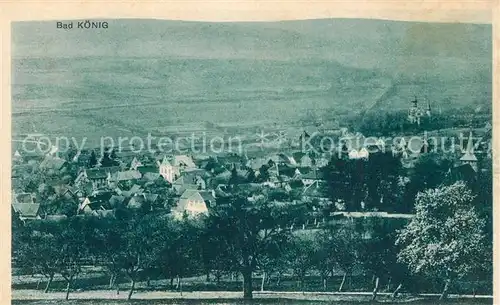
469	157
415	113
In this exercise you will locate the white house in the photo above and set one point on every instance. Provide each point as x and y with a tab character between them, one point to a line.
193	203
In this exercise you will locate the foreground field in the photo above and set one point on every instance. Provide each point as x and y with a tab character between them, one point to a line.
223	297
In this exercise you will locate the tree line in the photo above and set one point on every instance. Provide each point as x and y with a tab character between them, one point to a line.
446	239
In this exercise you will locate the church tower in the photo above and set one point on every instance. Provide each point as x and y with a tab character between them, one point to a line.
414	113
428	111
469	157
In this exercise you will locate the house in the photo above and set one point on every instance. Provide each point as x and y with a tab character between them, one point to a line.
53	163
123	176
152	199
193	203
257	163
137	201
297	156
469	157
16	157
354	147
305	161
410	147
183	162
94	202
135	189
316	191
311	176
24	204
231	160
289	172
29	154
286	160
182	184
98	177
72	195
135	163
117	201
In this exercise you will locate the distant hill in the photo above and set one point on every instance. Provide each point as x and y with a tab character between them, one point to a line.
266	71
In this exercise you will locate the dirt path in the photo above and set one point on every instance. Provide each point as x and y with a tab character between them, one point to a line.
152	295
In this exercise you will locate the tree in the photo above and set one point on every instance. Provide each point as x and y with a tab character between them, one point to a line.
249	228
429	172
73	237
110	244
301	254
92	162
217	254
378	253
445	238
341	244
141	241
71	152
382	172
107	159
35	248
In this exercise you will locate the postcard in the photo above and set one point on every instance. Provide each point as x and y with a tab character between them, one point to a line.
288	153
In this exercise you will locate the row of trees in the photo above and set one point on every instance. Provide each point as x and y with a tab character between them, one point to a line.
381	182
446	239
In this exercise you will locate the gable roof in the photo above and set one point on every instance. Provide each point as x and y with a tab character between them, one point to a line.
135	189
51	162
136	201
98	201
469	151
183	160
207	196
26	209
318	190
195	206
23	198
298	155
286	159
150	197
116	201
151	176
188	194
165	161
127	175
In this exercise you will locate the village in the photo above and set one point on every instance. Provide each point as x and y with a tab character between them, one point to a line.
188	213
54	186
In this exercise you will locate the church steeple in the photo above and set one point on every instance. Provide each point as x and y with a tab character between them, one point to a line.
469	157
